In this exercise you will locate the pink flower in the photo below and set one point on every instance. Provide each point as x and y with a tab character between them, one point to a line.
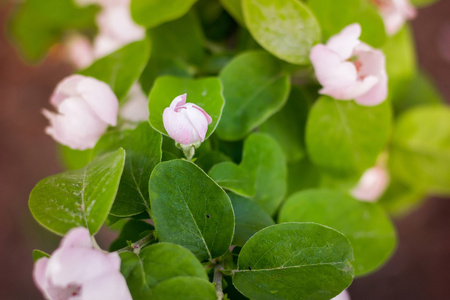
80	51
350	69
116	29
342	296
372	184
186	123
136	107
395	13
78	271
86	106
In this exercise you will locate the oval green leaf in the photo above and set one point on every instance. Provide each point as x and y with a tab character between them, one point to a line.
206	93
344	138
255	87
294	261
190	209
78	198
366	225
285	28
185	288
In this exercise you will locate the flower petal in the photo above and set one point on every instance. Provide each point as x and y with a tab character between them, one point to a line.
39	271
77	237
65	89
111	286
372	184
344	42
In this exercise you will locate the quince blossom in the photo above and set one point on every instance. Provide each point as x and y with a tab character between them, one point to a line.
395	13
136	107
78	271
186	123
372	184
342	296
350	69
86	106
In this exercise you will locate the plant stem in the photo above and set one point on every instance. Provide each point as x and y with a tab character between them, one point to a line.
138	245
218	281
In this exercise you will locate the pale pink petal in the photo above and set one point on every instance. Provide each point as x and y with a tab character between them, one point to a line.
77	237
331	71
116	22
135	108
395	13
104	45
353	91
99	96
39	271
110	286
198	119
342	296
66	88
344	42
372	184
80	51
179	127
178	102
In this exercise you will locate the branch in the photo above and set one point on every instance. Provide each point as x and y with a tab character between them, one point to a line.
138	245
218	281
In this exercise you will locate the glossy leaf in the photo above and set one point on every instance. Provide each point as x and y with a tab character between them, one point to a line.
80	197
344	138
366	226
190	209
294	261
143	148
155	12
185	288
350	11
74	159
285	28
255	87
262	170
420	153
234	8
37	254
249	219
155	265
121	68
206	93
132	231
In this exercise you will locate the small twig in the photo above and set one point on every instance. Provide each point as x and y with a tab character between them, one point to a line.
138	245
218	281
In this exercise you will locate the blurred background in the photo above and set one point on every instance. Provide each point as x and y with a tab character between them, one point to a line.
419	268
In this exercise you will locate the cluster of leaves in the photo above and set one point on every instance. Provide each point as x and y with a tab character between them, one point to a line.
264	210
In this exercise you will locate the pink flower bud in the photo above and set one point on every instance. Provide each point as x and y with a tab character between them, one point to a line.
86	106
372	184
76	270
79	51
186	123
395	13
342	296
136	107
350	69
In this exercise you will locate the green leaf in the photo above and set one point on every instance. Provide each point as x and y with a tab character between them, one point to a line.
285	28
132	231
344	138
366	226
294	261
190	209
302	175
37	254
177	47
350	11
206	93
420	153
121	68
155	265
420	3
185	288
287	126
37	25
207	160
80	197
255	87
234	8
249	217
74	159
263	170
143	148
151	13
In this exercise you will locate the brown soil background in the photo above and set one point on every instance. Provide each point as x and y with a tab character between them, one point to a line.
418	270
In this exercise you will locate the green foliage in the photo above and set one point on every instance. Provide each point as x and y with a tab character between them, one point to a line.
74	159
366	226
206	93
294	261
420	153
143	148
285	28
254	87
78	198
121	68
158	265
190	209
261	174
132	231
344	138
234	8
151	13
37	254
37	25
